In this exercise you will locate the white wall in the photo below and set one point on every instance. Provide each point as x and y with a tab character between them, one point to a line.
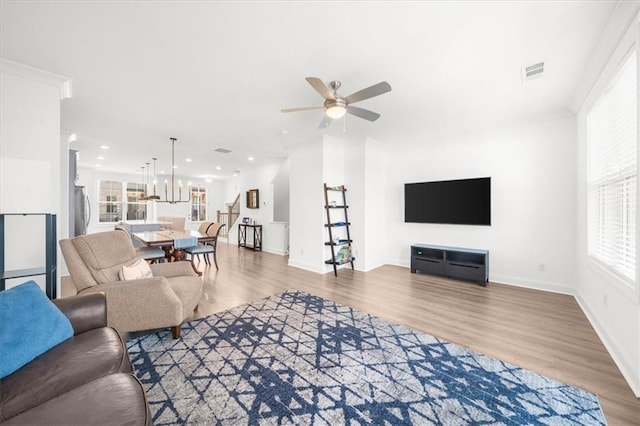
280	186
612	307
334	171
31	167
532	169
533	177
366	179
275	235
231	189
375	211
307	213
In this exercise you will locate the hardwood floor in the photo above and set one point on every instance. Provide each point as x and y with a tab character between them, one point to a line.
543	332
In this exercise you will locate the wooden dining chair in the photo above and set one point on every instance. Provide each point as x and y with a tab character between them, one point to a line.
213	229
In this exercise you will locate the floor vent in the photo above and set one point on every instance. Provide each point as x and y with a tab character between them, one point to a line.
222	150
532	72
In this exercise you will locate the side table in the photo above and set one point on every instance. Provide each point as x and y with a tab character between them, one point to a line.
243	231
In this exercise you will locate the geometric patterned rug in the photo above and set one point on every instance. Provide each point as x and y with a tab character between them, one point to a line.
295	358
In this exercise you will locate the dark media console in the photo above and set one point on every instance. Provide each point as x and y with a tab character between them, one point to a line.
453	262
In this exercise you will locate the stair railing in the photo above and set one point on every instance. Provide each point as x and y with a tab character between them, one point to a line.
229	217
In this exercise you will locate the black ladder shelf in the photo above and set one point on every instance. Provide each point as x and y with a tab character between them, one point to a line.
340	245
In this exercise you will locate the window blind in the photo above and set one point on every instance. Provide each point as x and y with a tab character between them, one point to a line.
612	138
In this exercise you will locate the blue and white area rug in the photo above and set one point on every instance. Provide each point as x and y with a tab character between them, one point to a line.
295	358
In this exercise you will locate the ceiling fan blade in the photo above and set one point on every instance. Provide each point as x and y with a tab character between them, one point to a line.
326	121
300	109
363	113
320	87
369	92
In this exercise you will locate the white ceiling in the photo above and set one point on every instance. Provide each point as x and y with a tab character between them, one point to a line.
216	74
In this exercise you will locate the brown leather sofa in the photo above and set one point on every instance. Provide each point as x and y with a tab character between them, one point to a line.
86	380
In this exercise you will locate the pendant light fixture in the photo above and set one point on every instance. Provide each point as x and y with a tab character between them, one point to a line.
142	187
153	197
173	199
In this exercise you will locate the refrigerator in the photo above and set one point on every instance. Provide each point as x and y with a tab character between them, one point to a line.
82	211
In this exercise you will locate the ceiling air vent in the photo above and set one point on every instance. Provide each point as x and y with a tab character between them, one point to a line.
532	72
222	150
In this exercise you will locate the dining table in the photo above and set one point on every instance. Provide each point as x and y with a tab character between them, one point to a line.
173	242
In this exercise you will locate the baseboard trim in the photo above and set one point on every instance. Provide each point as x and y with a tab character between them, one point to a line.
517	282
534	285
611	345
305	266
274	251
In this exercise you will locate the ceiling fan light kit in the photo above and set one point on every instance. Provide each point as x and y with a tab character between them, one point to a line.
336	106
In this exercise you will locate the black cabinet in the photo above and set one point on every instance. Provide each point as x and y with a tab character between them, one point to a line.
453	262
49	268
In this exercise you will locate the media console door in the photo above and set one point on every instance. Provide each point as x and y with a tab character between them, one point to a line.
452	262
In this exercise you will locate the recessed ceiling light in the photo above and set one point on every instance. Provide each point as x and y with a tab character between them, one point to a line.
104	147
208	180
162	172
250	158
188	160
218	168
175	167
284	132
98	165
73	137
99	157
235	175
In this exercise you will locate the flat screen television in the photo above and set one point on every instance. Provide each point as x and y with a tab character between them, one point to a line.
457	202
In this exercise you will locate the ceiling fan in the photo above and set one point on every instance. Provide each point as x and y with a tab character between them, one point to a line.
336	106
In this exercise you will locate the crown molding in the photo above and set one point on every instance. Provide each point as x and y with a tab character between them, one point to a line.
625	15
35	74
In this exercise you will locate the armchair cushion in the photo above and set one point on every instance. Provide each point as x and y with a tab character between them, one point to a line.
104	253
30	325
141	304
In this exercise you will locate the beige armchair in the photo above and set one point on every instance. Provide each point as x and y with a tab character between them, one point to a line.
165	300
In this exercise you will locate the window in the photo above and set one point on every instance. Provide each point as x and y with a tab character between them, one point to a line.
116	205
136	209
110	201
612	138
198	204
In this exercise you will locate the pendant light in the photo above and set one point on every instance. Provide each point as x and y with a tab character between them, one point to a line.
173	199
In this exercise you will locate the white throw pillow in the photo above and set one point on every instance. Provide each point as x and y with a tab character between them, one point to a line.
137	271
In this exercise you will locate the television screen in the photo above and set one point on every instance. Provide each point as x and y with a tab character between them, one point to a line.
458	202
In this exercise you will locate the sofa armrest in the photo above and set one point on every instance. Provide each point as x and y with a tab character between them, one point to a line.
173	269
85	312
